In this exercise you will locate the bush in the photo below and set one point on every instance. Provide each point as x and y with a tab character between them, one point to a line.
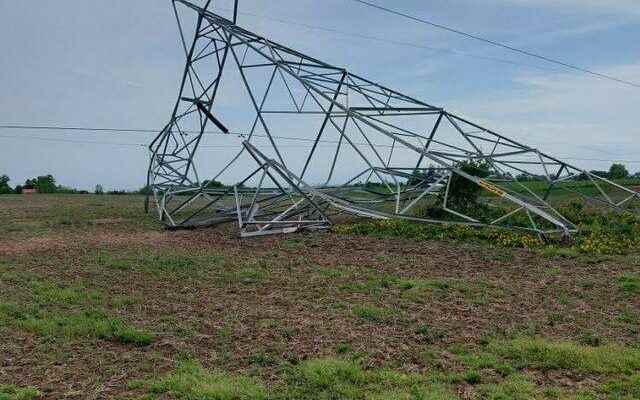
618	171
463	193
600	233
408	229
4	185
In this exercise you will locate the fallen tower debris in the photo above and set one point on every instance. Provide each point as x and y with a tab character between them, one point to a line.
370	151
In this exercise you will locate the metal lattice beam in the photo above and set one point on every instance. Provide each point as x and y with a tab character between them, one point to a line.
409	152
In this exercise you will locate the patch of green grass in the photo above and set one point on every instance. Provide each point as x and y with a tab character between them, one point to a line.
483	361
332	272
628	316
341	379
372	313
90	324
166	265
430	334
477	293
118	264
418	290
343	348
12	392
172	263
624	388
191	382
546	355
553	271
262	359
589	338
436	284
327	379
55	311
11	274
516	387
47	292
373	283
472	377
293	243
629	284
123	301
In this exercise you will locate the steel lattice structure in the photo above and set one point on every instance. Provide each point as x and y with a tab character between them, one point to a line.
373	152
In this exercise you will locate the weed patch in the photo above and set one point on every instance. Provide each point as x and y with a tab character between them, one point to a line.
191	381
12	392
483	361
340	379
88	324
372	313
312	379
628	316
516	387
629	284
624	388
601	234
424	232
430	334
545	355
420	290
54	311
159	265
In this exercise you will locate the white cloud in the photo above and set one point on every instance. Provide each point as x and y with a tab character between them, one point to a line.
568	114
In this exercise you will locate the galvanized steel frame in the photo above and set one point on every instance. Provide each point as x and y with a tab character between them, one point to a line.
289	203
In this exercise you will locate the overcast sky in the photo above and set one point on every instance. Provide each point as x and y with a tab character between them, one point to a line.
118	63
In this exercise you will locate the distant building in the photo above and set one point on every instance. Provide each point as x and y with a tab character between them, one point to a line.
29	191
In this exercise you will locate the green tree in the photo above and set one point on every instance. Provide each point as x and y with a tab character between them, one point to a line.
44	184
618	171
99	189
213	184
4	185
463	193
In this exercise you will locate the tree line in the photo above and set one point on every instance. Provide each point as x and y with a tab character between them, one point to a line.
615	172
48	184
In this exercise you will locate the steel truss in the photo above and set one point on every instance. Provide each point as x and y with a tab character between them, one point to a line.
410	151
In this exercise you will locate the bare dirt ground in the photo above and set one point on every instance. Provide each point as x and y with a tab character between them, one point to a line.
253	306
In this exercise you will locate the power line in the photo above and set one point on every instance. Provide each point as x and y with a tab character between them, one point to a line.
145	145
395	42
59	128
128	144
71	140
77	128
115	130
496	43
155	131
81	129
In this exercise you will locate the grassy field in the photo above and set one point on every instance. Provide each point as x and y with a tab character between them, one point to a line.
98	301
